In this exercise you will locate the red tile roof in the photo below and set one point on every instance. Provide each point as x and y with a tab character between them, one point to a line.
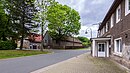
35	37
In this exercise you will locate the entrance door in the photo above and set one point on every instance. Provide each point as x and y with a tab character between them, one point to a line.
101	50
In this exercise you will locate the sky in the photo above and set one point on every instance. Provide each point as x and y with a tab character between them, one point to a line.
91	12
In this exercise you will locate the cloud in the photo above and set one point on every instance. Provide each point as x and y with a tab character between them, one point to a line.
97	2
91	12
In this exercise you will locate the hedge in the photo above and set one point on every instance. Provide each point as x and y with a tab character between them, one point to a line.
7	45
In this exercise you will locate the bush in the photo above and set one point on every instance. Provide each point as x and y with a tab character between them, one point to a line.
7	45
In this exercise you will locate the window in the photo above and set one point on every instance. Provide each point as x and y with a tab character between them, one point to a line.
45	41
101	48
127	7
34	46
118	14
103	30
30	46
106	27
99	33
112	20
118	46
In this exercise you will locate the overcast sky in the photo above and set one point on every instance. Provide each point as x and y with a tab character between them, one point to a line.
91	12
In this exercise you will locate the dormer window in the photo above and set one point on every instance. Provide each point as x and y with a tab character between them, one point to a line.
127	7
118	14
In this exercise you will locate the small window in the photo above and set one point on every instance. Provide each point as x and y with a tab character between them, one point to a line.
112	20
34	46
118	46
30	46
118	14
106	27
45	41
127	7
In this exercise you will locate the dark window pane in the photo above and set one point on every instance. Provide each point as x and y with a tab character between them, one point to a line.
129	4
120	46
102	47
99	49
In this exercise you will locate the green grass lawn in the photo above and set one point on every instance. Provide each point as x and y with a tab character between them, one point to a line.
18	53
82	48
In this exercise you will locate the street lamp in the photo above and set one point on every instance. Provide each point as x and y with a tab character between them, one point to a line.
91	29
90	32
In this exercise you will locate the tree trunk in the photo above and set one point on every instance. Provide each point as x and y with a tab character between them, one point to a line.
21	43
22	38
42	42
58	41
73	42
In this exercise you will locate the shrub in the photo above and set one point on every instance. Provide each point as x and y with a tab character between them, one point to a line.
7	45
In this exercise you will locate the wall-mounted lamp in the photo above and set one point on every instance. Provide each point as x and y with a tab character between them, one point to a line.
126	35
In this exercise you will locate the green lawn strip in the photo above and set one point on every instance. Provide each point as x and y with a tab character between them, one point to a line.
4	54
82	49
76	49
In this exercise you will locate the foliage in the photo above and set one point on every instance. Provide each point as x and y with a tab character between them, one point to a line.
41	16
7	45
63	21
4	30
85	41
20	16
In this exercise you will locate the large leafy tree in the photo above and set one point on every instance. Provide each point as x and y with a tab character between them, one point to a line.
2	19
63	21
20	16
4	28
41	16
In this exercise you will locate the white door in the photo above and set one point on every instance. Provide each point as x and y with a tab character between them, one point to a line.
101	50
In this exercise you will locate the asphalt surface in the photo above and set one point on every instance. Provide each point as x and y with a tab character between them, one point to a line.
32	63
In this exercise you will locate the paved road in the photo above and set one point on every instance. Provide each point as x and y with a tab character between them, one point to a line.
32	63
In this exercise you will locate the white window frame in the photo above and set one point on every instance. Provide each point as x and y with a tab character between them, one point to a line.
117	14
127	10
112	20
115	46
